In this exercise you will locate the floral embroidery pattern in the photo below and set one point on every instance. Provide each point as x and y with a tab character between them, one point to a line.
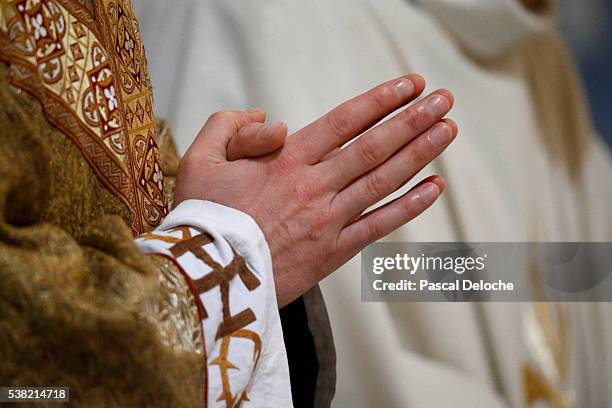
89	72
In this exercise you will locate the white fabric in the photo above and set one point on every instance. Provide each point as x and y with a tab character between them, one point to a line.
268	385
298	59
487	27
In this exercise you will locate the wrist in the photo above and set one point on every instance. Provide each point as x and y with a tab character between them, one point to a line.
225	223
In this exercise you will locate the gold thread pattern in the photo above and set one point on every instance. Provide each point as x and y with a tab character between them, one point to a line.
175	311
88	70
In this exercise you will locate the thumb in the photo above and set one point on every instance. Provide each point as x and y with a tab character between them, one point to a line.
257	139
216	134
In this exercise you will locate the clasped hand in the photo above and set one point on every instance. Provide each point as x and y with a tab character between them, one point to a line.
307	193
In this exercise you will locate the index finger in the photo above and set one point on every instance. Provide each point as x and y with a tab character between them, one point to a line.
353	117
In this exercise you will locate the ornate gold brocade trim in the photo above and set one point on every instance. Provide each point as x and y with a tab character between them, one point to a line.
176	310
88	70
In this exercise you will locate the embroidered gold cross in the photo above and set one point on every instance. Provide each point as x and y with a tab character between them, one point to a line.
220	276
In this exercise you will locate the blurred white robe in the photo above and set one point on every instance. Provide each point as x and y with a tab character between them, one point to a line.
298	59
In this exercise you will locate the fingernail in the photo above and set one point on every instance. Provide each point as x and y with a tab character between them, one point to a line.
437	105
440	135
404	88
268	130
429	192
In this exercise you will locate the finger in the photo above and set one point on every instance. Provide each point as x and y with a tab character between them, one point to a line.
395	172
390	217
221	127
382	141
354	117
257	139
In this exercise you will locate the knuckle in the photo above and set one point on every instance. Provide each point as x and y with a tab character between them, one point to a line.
383	99
376	187
320	222
307	191
419	154
340	123
220	116
314	234
370	151
284	163
413	119
374	230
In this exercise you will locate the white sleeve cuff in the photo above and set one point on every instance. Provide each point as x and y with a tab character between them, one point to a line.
488	28
224	223
227	263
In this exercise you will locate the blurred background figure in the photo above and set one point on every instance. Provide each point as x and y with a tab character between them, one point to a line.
587	26
527	166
